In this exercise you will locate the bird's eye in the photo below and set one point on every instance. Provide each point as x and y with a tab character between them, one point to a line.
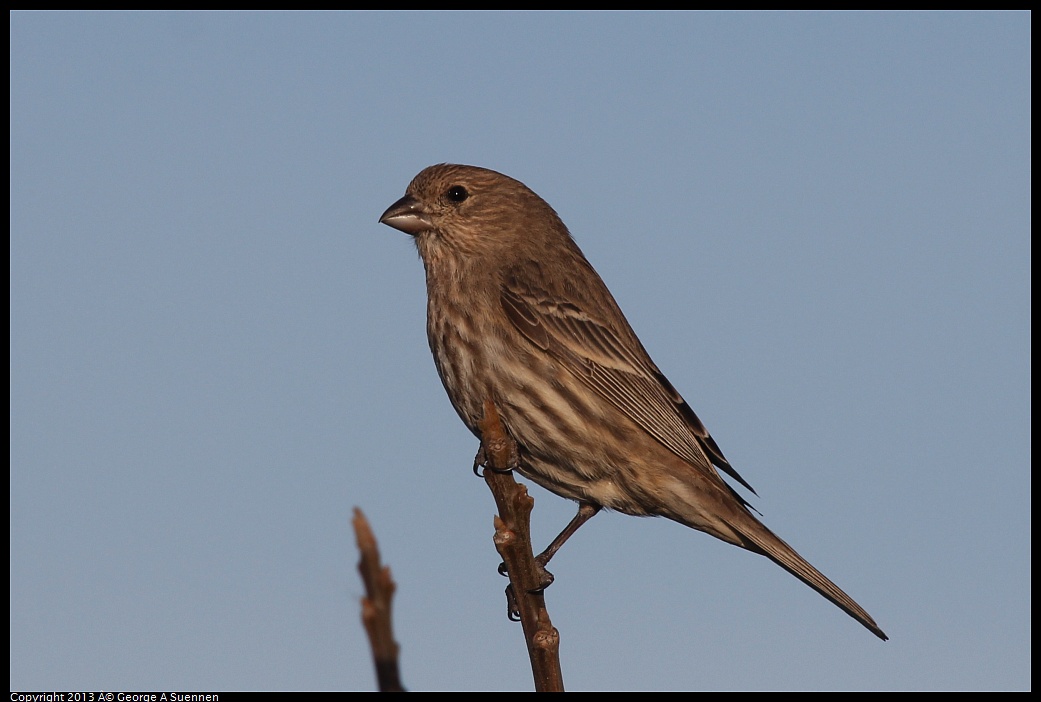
457	193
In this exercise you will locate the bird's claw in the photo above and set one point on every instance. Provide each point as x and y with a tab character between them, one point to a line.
481	460
512	608
545	577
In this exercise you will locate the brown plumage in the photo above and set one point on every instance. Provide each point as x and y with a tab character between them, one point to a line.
516	314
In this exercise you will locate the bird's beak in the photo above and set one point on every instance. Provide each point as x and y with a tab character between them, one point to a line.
408	215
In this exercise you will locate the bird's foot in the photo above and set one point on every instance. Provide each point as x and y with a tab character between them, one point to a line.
512	608
545	579
481	460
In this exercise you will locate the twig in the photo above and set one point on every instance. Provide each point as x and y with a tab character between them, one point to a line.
375	607
513	542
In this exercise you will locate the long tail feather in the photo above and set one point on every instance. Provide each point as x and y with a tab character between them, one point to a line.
762	540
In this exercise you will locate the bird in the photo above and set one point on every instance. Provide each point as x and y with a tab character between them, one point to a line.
516	315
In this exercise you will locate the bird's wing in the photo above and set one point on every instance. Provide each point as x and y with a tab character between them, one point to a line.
620	372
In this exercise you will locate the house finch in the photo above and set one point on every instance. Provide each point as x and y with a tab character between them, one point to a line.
516	315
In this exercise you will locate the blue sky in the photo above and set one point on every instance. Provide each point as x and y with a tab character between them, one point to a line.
819	224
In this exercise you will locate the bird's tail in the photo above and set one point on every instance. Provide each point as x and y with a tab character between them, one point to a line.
759	539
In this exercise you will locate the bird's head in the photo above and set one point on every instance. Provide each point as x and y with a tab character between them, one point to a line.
469	212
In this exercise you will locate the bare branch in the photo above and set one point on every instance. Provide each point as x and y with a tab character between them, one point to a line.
513	542
375	607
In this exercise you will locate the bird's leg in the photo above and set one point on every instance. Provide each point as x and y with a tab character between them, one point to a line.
586	511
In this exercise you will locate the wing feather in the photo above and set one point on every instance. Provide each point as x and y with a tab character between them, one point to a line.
617	369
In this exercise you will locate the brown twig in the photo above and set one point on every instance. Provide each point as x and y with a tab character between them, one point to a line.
513	542
375	607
